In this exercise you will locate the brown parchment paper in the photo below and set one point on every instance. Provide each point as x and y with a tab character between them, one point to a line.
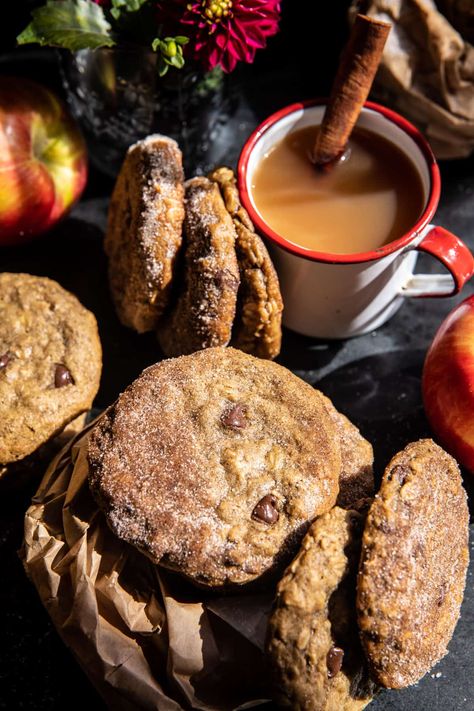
427	69
146	638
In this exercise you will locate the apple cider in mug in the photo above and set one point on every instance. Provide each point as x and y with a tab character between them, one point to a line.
371	197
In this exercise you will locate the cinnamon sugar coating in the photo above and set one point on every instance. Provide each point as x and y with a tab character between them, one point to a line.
183	483
144	230
205	308
413	564
257	327
356	482
313	641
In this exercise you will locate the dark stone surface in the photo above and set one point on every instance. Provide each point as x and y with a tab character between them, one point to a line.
374	379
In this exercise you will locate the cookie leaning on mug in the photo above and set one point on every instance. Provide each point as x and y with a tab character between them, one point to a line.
197	303
229	290
144	230
204	312
257	327
214	465
50	364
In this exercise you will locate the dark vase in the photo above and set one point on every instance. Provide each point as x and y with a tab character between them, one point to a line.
118	97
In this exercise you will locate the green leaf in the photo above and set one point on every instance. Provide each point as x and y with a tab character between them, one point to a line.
156	44
162	67
29	35
181	39
119	6
177	61
72	24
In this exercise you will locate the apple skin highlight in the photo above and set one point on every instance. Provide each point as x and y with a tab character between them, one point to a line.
448	383
43	160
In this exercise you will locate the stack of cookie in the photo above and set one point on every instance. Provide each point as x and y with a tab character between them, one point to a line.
50	366
221	467
185	260
372	601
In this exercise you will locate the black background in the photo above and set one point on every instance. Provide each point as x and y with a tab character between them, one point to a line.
375	379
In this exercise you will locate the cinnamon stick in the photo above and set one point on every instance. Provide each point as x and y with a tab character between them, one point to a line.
358	66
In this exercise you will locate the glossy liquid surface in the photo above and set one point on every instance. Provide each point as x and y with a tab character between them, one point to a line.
368	199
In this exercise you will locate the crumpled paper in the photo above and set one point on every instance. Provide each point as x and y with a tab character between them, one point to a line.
427	69
144	636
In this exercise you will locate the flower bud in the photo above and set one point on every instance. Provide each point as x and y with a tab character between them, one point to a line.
170	49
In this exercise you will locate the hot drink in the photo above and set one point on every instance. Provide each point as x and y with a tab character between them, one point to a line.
369	198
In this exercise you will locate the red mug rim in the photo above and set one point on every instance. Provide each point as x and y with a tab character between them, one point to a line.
384	250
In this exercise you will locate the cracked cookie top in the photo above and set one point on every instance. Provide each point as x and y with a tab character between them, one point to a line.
215	464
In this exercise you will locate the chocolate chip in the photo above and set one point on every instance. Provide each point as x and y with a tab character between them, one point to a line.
334	661
400	473
235	417
62	376
266	510
4	360
224	279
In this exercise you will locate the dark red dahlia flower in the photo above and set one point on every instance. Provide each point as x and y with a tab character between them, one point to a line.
224	32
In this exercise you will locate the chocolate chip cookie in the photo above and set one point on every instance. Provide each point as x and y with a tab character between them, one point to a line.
413	564
50	362
204	312
257	327
14	475
313	642
214	464
357	478
144	230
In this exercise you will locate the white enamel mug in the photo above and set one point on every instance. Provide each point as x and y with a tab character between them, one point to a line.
341	295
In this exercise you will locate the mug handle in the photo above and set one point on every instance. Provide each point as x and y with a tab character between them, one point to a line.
453	254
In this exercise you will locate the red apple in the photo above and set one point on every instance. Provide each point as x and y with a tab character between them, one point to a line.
43	160
448	383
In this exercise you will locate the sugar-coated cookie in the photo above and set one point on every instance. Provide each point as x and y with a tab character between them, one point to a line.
144	230
215	464
413	564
